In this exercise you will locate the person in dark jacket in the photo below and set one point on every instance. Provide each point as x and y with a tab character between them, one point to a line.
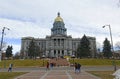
10	68
79	67
76	67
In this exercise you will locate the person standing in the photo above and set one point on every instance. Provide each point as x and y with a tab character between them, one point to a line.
10	67
47	66
76	67
79	67
51	65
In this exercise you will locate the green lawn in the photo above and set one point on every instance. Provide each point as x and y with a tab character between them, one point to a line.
95	62
41	62
103	74
10	75
23	63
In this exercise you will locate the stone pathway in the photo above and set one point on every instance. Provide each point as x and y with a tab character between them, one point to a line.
57	74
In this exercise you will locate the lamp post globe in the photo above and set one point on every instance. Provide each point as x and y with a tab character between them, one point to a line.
112	48
3	31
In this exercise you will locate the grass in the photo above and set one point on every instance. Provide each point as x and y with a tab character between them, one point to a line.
41	62
95	62
10	75
23	63
103	74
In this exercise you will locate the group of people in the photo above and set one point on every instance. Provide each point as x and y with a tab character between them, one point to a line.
77	67
49	65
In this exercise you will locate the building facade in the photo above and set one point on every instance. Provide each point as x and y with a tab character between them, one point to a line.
58	43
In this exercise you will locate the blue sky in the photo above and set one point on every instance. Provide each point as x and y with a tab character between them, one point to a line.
35	18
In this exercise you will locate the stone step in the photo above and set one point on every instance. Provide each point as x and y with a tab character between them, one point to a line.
59	62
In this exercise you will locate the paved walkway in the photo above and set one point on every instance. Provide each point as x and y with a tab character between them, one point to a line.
57	74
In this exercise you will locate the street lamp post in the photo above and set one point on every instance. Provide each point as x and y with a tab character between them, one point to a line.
2	41
111	44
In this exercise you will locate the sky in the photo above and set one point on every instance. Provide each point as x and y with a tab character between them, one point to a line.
35	18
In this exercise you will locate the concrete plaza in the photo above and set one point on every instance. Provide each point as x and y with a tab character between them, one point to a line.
57	74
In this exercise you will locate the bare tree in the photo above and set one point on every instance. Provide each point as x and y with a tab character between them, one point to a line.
117	45
17	55
98	45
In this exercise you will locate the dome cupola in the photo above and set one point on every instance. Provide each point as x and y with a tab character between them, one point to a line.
58	26
58	18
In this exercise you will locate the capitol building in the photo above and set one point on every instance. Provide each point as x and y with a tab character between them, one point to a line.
58	43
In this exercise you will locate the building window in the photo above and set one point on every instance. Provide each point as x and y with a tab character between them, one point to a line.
62	42
58	53
54	53
58	42
62	52
54	42
27	43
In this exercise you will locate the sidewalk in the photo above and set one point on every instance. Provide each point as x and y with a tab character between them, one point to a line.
57	74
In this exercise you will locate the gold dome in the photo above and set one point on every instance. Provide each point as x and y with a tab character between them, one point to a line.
58	18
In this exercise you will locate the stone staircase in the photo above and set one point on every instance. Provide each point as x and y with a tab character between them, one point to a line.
59	62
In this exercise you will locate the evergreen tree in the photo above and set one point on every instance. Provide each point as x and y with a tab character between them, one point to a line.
33	50
9	51
107	48
83	48
78	51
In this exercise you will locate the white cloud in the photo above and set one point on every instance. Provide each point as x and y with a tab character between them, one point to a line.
16	48
20	29
35	17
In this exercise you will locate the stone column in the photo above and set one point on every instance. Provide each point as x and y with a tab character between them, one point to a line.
65	52
65	44
52	53
60	52
56	53
60	42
